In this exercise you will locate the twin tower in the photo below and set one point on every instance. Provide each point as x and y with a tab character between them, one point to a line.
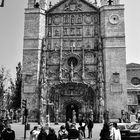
74	58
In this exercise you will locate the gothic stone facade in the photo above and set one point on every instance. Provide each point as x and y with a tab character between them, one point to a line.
133	87
74	59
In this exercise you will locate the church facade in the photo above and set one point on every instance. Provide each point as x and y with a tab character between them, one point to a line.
74	60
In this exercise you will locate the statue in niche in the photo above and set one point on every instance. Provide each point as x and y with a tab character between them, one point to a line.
49	45
65	31
56	44
116	77
96	18
49	33
72	19
71	72
50	20
78	43
66	19
79	19
88	31
79	31
96	30
73	116
65	43
57	32
88	44
28	78
72	31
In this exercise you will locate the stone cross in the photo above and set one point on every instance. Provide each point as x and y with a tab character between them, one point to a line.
110	2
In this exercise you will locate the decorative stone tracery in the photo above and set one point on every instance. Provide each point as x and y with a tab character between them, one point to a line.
73	63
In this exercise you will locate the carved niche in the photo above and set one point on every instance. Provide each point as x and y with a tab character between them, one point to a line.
89	58
56	32
54	58
90	72
28	78
56	44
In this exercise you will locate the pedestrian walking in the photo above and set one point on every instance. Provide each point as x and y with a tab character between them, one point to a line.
51	135
42	135
105	132
34	133
83	124
73	133
8	133
115	132
62	133
81	134
68	123
90	126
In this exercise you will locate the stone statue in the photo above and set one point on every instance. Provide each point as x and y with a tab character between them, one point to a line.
74	116
71	72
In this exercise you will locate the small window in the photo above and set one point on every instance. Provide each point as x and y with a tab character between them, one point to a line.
135	81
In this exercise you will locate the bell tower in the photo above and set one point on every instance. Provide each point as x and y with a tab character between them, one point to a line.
114	54
34	33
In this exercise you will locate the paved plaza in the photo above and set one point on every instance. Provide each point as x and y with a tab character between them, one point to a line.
19	130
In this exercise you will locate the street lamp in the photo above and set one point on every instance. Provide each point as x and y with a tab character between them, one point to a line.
1	3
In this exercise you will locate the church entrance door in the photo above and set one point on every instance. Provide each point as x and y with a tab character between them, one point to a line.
72	112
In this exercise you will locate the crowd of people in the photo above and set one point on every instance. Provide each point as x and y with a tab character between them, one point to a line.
68	131
72	133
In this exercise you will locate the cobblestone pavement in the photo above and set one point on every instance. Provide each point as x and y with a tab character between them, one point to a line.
19	130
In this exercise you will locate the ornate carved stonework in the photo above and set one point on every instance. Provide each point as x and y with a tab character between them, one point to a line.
88	18
71	51
57	19
73	6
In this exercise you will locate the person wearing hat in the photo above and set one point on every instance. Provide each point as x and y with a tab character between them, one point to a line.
62	133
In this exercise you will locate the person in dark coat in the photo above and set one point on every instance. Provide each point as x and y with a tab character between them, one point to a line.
42	135
105	132
90	126
67	124
73	133
51	135
8	133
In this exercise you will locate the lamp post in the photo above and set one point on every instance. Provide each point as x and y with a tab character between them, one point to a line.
1	3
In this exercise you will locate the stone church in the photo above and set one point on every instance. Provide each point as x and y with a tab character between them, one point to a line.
74	60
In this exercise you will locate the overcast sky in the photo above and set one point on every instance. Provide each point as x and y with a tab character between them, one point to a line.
12	28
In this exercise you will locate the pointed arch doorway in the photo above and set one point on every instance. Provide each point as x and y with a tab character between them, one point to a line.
70	108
